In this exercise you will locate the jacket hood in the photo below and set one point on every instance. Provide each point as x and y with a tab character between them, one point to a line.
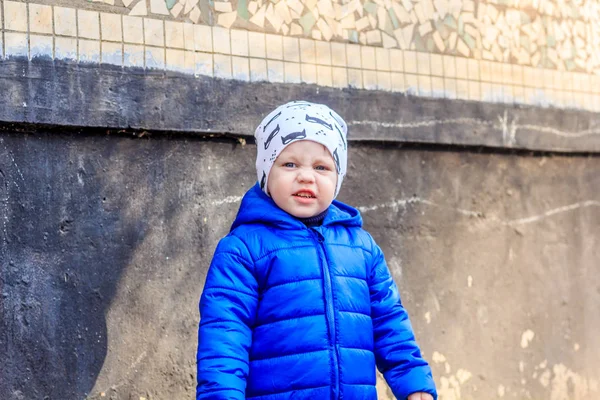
258	208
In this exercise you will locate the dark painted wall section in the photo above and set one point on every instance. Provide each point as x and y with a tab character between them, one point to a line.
105	242
70	94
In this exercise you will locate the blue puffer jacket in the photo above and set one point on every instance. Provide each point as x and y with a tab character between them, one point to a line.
290	312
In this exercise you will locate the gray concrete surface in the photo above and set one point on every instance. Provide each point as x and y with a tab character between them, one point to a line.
105	242
60	93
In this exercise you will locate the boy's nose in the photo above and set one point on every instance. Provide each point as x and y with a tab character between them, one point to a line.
305	176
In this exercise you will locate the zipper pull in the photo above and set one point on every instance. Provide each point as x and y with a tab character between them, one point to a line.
318	234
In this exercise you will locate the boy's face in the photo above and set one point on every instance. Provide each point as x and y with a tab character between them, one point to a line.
303	179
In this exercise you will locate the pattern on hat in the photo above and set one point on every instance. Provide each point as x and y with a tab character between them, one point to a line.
300	120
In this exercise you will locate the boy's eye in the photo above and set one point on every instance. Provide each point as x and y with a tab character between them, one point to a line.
321	168
289	165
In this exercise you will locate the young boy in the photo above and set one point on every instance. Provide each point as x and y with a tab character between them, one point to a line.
298	302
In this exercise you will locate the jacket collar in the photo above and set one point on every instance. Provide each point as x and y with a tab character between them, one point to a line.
258	208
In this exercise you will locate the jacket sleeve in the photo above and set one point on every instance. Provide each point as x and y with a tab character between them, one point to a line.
227	312
397	354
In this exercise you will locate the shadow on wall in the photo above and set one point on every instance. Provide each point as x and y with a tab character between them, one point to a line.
105	242
63	248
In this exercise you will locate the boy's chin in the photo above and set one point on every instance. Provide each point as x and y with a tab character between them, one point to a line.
305	214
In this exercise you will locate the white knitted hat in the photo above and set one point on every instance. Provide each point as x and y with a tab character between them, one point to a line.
300	120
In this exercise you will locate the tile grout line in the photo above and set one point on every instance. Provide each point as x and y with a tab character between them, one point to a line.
100	38
122	42
143	41
3	49
28	32
53	34
77	34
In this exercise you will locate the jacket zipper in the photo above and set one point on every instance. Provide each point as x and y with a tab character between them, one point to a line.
330	315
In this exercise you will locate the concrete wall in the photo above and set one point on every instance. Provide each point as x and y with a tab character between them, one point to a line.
114	188
105	243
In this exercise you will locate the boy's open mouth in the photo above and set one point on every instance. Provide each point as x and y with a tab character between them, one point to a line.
305	194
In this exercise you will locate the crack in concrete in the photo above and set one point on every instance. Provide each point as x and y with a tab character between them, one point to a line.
481	214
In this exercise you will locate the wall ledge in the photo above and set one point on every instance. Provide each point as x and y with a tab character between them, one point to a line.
58	93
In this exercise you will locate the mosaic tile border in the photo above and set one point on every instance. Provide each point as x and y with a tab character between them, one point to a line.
36	30
553	34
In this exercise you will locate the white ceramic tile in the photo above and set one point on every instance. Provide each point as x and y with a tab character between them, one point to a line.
188	37
257	45
274	45
308	52
112	53
340	77
292	72
397	79
324	75
353	56
258	70
437	87
240	68
450	88
508	94
15	44
485	71
15	16
89	51
110	25
497	93
155	57
40	18
323	53
384	80
437	65
239	43
462	89
449	66
397	62
355	78
487	92
154	33
275	71
175	59
410	62
65	48
370	79
189	62
65	21
40	46
133	30
474	90
462	69
424	85
309	73
222	66
382	59
423	63
367	54
291	49
133	55
203	39
88	23
412	83
204	64
174	34
221	41
338	54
